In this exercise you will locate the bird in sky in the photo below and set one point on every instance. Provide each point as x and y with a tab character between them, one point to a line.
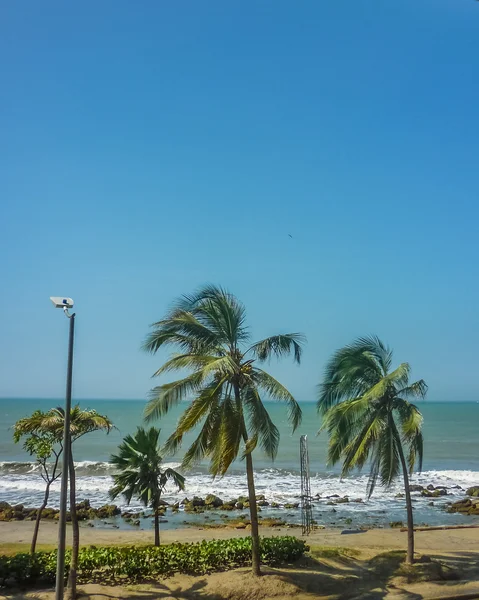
290	235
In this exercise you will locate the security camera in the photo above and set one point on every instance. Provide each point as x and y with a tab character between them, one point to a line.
60	302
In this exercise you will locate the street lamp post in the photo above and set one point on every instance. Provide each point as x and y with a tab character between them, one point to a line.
65	304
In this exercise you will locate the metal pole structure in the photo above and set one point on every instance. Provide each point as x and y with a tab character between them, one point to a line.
306	499
62	521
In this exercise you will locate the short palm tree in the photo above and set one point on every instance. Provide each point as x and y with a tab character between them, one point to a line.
368	417
226	385
81	423
140	474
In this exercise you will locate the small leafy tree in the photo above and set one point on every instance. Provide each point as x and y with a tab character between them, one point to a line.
140	473
81	423
46	448
369	418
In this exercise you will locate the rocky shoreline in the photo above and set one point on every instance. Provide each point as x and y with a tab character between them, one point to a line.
198	505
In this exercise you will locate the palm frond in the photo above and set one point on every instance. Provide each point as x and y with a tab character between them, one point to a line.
343	422
279	346
206	401
410	418
250	446
358	450
389	454
350	373
164	397
260	423
197	362
415	454
400	376
227	443
277	391
218	310
417	389
176	477
374	472
206	439
183	330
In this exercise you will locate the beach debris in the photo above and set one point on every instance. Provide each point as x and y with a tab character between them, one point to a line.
350	531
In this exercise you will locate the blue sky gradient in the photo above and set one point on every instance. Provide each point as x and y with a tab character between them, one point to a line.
148	148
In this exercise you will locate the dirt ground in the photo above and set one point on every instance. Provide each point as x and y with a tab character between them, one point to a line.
18	533
362	566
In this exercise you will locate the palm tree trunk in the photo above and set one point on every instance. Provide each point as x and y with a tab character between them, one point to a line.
157	527
39	516
410	518
253	511
253	508
72	576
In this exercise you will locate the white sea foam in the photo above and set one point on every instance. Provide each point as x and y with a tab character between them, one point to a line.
277	485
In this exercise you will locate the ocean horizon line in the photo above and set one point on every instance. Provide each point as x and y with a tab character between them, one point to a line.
144	400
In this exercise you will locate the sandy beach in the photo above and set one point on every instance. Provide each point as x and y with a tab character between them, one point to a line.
347	575
375	540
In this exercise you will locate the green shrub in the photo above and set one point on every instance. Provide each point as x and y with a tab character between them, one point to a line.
133	563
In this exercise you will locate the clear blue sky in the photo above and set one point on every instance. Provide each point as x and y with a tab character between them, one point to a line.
149	147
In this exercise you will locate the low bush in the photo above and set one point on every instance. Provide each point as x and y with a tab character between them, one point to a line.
133	563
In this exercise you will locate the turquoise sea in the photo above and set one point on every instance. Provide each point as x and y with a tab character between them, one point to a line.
451	459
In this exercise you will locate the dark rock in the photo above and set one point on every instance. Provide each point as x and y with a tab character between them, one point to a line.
434	494
292	505
214	501
360	500
416	488
430	487
473	491
4	506
274	505
263	503
239	505
197	501
83	505
107	511
91	525
342	500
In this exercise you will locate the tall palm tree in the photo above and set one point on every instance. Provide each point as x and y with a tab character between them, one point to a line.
140	474
226	385
81	423
368	417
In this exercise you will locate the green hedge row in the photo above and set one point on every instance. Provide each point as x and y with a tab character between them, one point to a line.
133	563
